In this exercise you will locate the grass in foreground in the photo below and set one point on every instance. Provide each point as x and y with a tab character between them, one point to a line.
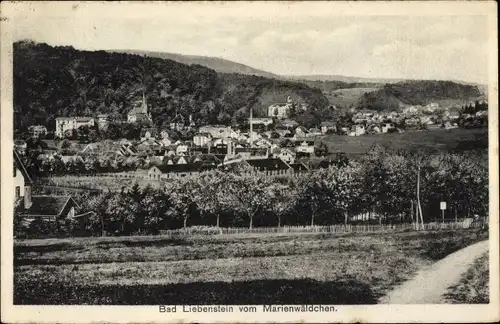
473	288
249	269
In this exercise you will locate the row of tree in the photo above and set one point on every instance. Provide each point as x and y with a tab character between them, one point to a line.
383	187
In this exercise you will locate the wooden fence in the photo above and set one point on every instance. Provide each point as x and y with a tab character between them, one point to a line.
465	224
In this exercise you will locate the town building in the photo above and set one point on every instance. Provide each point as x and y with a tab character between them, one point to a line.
148	133
103	121
22	181
68	124
272	166
176	171
139	112
280	110
217	131
38	131
298	168
304	147
261	121
287	155
202	139
387	127
267	166
301	132
177	123
50	208
358	130
313	132
328	127
251	152
20	146
288	124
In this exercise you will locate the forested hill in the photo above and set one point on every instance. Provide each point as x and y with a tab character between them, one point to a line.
395	95
61	81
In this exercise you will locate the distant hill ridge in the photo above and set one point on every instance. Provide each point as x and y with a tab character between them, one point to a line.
215	63
227	66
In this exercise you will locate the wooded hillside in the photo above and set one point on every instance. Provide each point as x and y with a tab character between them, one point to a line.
393	96
61	81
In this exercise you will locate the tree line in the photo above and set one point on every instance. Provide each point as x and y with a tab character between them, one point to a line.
386	187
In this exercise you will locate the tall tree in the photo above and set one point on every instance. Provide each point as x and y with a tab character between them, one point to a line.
248	194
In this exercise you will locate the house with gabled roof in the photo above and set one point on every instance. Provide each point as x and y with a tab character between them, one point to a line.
30	207
177	123
51	208
298	167
267	166
20	146
328	126
177	171
149	133
22	181
71	158
202	139
286	154
272	166
301	131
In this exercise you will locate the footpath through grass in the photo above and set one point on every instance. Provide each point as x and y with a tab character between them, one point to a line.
325	268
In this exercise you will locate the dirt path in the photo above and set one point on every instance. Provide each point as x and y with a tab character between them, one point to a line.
430	283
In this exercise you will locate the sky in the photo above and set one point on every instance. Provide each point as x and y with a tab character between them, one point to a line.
282	38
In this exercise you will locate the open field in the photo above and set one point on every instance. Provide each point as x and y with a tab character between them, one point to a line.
473	288
238	269
346	97
97	182
453	139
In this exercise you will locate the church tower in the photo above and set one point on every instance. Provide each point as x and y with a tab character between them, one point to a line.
144	106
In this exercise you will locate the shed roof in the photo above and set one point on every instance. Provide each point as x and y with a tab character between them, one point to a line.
48	205
268	164
190	167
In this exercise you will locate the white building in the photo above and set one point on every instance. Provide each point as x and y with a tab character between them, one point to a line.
64	124
287	155
103	121
202	139
181	149
261	121
305	148
358	130
217	131
280	110
386	127
38	130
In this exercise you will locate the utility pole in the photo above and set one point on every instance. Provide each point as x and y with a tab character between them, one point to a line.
251	127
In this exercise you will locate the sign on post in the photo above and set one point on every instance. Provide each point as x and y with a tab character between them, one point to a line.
443	208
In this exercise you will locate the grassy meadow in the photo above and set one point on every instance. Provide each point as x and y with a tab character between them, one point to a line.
325	268
440	139
105	183
473	288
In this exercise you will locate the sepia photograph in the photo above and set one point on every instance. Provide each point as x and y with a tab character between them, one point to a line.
249	157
